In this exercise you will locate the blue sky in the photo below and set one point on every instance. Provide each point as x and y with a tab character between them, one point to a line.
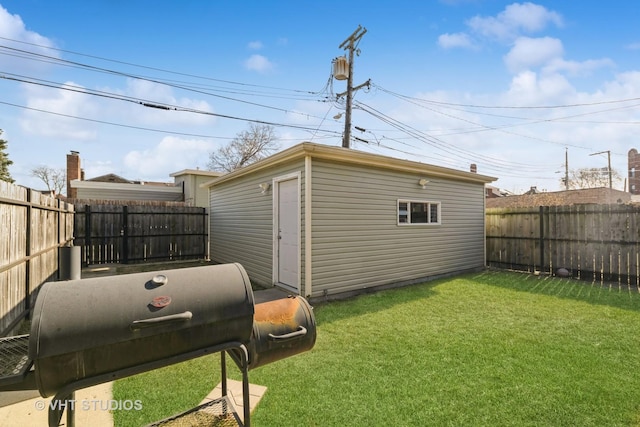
509	86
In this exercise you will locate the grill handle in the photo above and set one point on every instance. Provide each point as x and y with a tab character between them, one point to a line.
156	321
302	331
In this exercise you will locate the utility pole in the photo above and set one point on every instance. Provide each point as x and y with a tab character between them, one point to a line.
609	164
350	44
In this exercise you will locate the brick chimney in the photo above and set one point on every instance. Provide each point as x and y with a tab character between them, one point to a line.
634	171
73	172
473	168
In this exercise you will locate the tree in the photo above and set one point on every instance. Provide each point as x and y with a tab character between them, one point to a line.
591	178
4	162
247	147
54	179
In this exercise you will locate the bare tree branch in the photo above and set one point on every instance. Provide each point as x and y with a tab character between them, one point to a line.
249	146
54	179
591	178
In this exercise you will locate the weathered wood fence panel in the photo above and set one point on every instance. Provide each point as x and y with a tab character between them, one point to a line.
595	242
32	229
146	232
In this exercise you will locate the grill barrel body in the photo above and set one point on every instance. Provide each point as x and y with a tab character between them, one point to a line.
281	328
90	327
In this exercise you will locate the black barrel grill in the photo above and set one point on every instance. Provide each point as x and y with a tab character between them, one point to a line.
90	331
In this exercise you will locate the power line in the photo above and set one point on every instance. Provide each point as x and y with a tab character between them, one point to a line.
519	107
151	80
153	68
114	124
309	129
443	146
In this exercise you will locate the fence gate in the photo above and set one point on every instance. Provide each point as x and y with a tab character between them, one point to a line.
111	233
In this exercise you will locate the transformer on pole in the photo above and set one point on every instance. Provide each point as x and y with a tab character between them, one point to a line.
340	73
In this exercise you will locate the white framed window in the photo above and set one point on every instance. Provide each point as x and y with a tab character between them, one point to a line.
418	212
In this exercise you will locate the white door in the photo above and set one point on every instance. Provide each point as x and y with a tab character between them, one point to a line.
287	234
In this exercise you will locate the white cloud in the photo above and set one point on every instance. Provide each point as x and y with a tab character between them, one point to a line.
155	93
530	88
633	46
528	53
255	45
258	63
625	86
12	27
63	103
94	169
577	68
449	41
170	155
547	54
515	19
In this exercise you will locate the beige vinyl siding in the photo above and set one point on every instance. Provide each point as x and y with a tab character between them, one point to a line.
357	242
137	192
193	194
241	221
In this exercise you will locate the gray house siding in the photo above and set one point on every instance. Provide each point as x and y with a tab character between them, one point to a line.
357	242
241	221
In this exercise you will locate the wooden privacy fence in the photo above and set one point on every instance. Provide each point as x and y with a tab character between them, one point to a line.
594	242
145	232
33	227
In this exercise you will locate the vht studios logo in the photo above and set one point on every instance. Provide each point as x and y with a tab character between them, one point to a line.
90	405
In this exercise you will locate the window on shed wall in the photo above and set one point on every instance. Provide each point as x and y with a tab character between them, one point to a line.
413	212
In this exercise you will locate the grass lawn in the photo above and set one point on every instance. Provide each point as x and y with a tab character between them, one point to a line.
485	349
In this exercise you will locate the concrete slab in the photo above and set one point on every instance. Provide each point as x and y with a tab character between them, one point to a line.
234	392
89	404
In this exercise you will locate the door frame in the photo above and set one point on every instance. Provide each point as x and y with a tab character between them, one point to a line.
276	225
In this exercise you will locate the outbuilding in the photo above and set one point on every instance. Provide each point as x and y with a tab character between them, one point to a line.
319	221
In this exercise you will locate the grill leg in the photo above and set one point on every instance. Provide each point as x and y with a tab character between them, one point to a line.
240	356
223	372
58	406
71	411
245	398
244	367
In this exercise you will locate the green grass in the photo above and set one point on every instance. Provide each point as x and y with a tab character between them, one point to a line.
485	349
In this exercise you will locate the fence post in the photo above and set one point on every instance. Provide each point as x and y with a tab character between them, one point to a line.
125	234
87	232
541	239
205	235
27	265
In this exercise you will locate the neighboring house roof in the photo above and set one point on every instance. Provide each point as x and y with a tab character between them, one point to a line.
117	179
492	191
556	198
197	172
347	155
110	177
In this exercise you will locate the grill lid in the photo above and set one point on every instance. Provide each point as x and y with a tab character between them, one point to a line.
85	328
